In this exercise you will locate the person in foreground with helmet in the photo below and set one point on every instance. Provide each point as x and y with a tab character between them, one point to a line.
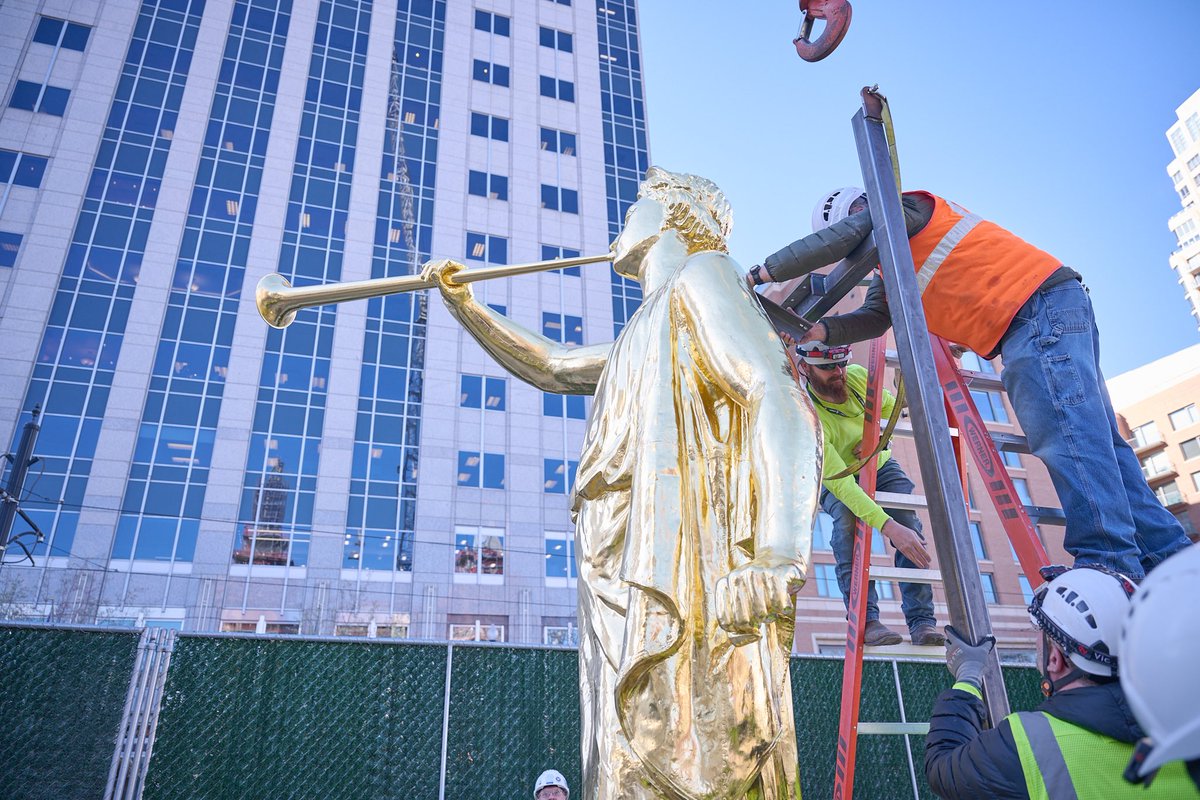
983	287
838	389
1160	651
551	785
1077	742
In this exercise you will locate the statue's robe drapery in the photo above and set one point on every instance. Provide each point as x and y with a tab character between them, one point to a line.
664	506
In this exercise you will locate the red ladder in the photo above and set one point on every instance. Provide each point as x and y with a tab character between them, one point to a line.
962	415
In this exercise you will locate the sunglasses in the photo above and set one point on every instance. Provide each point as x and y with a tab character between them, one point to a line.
829	367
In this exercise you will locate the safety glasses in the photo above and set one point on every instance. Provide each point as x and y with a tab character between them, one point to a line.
830	367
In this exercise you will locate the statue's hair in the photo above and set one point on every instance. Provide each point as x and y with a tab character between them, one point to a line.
696	207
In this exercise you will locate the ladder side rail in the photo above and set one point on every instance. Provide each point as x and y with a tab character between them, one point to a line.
931	427
965	416
856	611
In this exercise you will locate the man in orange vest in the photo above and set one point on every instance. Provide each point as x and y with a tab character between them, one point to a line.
983	287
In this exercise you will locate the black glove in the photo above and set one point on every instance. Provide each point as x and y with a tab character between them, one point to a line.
965	660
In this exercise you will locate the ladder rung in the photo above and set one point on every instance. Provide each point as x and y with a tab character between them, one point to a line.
907	502
1046	515
974	380
905	575
893	728
1010	442
933	652
904	428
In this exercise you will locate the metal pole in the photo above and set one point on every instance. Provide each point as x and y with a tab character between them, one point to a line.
119	769
16	480
446	720
931	428
167	647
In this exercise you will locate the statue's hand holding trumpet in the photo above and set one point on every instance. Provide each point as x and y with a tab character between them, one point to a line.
756	593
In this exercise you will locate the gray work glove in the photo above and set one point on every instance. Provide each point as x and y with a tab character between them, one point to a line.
965	660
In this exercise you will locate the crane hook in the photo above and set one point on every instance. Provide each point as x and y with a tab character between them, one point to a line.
836	14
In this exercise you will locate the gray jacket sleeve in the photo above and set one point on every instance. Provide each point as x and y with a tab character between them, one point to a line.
826	246
869	321
872	319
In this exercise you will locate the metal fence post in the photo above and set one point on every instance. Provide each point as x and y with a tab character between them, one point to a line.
446	721
139	720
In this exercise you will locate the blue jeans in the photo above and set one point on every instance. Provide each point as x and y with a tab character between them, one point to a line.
917	598
1052	374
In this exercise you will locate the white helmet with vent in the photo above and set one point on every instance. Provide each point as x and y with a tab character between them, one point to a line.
1082	611
835	206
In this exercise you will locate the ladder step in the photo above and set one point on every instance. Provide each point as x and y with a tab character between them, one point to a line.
1046	515
904	428
974	380
905	575
907	650
907	502
1010	442
893	728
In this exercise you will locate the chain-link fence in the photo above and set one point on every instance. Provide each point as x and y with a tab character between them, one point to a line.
61	697
284	717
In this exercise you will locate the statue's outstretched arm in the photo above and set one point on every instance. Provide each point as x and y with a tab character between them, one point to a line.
550	366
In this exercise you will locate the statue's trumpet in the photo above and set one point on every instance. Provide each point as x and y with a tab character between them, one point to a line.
278	301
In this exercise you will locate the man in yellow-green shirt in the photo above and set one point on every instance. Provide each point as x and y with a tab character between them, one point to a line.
838	391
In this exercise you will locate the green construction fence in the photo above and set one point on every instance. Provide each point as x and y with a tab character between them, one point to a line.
288	717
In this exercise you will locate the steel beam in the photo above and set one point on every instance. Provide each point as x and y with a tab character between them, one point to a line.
931	428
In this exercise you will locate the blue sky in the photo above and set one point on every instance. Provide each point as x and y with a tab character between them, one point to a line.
1052	125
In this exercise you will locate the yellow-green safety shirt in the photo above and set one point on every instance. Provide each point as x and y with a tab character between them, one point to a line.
842	435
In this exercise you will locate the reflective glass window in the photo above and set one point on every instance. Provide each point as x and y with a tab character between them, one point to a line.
989	587
493	471
470	391
10	245
48	30
559	475
492	23
54	101
990	405
1184	417
25	95
29	171
468	468
76	37
977	540
827	585
560	556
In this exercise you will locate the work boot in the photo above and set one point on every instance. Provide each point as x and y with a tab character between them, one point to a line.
927	636
876	634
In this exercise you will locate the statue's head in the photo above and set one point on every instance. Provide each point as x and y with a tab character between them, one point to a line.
692	206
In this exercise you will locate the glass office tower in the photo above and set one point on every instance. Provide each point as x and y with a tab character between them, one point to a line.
368	470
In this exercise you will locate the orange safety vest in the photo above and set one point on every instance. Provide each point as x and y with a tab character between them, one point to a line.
974	275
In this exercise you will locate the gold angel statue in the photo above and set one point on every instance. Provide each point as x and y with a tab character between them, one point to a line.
694	503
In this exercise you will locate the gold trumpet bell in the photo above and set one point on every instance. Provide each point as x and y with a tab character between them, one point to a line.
270	298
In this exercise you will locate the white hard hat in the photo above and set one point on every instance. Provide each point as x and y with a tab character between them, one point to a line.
551	777
1160	652
834	206
1082	610
821	353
